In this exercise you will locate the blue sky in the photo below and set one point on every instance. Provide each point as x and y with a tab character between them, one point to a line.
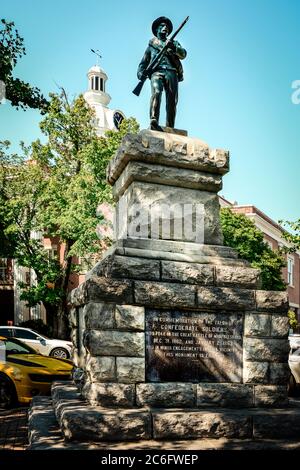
242	59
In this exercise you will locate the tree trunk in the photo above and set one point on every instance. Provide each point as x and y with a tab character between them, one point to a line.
63	328
51	316
57	319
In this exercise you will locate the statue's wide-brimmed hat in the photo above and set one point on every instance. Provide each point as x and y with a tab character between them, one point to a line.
158	21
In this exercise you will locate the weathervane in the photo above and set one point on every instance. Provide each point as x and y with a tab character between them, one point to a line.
97	53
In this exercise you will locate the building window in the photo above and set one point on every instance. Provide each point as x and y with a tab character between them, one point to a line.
92	83
101	84
52	253
6	273
290	271
269	243
35	312
27	277
96	83
3	269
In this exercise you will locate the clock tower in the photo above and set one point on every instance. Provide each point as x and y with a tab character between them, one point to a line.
96	96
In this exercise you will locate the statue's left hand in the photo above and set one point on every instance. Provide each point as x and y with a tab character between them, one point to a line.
171	46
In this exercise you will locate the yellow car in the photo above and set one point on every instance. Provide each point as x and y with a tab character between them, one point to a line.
24	373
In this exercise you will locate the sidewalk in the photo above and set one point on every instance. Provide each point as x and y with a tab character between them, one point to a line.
13	429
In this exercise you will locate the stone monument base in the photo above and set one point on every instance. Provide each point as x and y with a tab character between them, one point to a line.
66	421
175	337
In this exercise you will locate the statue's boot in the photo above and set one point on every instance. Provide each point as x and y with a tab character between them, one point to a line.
154	126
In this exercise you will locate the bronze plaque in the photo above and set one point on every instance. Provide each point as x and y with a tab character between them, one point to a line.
193	346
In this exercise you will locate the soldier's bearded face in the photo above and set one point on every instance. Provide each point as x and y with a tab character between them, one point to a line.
162	31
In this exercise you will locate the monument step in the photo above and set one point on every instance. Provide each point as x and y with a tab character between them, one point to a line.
45	434
189	258
178	247
82	422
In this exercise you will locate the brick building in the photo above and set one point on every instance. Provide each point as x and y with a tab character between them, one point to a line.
273	236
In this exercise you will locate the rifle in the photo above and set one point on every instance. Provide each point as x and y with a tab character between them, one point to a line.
147	73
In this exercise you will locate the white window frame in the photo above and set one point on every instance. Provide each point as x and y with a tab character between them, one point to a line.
290	270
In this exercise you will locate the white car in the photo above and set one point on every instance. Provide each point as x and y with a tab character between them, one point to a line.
294	363
42	344
294	340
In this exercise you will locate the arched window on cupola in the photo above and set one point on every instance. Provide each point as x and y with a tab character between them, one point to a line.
92	83
97	83
101	84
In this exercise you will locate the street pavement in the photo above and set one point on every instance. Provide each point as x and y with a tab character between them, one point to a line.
13	429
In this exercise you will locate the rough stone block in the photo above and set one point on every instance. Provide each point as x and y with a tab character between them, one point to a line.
272	350
198	424
99	315
279	373
191	273
161	148
156	211
63	391
272	301
114	343
256	372
280	326
73	318
225	298
75	357
166	395
93	424
171	176
164	294
101	368
237	277
257	324
131	268
109	394
224	395
102	289
270	396
130	317
130	369
74	338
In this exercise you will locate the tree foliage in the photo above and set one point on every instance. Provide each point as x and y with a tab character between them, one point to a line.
292	319
54	189
241	233
293	236
20	93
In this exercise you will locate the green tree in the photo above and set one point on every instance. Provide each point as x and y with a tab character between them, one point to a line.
240	233
293	237
20	93
55	189
292	319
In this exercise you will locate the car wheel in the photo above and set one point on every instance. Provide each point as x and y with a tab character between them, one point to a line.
292	387
8	396
60	353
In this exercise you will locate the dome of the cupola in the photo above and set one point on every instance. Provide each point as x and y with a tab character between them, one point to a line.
97	86
96	70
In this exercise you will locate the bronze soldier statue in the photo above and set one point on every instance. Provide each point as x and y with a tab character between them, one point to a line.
166	73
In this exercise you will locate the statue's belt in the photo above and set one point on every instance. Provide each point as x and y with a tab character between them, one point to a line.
164	67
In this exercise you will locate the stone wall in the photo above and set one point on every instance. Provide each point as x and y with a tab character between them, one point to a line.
112	349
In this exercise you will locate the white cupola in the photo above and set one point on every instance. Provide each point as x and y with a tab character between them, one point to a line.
96	96
96	86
